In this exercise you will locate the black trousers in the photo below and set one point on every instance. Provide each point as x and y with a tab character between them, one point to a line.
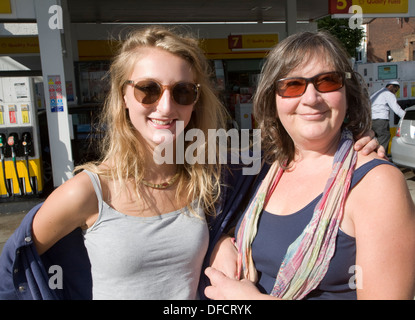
382	131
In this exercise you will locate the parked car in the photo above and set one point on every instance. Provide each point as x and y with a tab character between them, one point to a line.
403	144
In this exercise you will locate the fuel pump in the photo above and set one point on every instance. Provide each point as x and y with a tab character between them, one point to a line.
3	165
27	144
12	142
21	159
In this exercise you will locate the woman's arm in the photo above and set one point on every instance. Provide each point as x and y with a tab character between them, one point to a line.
225	288
383	215
68	207
225	257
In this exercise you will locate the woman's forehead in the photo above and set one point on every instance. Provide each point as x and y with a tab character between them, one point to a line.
313	57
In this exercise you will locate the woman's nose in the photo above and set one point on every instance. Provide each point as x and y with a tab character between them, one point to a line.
165	104
311	95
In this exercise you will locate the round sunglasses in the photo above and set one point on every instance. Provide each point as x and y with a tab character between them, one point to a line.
323	82
150	91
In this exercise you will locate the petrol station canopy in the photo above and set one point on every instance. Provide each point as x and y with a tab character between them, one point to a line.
208	11
124	11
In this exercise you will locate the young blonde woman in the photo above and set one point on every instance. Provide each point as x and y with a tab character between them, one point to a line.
143	223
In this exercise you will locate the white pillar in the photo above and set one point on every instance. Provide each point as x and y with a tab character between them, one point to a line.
49	16
290	17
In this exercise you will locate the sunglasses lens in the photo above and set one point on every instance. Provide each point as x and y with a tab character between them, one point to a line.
147	92
295	87
291	87
329	82
185	93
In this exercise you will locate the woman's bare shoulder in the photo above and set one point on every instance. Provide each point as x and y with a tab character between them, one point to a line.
68	207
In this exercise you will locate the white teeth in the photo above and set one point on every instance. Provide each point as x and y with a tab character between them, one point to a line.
160	122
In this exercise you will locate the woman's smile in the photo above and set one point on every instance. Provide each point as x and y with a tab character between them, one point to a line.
162	123
313	116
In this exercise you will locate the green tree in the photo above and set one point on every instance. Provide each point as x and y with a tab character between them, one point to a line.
350	38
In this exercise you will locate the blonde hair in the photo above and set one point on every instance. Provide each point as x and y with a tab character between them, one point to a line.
288	55
124	148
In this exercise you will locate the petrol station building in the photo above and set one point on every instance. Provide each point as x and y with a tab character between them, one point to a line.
54	55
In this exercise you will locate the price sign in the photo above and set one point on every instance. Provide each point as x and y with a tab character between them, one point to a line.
235	42
339	6
12	114
1	115
24	108
252	41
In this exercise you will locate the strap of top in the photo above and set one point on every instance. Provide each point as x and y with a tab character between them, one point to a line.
97	187
365	168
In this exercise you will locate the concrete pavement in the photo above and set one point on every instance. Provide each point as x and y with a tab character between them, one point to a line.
11	214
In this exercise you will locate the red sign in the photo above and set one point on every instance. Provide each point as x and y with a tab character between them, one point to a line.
339	6
235	41
12	116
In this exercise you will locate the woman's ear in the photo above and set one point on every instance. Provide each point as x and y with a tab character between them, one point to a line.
125	98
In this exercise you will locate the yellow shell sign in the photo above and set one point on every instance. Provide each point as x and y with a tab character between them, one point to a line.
383	6
370	6
252	41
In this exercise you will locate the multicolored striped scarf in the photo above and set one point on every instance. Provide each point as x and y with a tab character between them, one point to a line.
307	258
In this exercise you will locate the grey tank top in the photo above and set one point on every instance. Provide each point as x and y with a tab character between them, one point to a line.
156	257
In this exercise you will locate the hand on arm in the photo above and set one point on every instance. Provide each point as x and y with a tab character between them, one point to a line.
225	257
367	143
225	288
223	275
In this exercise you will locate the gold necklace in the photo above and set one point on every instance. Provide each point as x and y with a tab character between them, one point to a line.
163	185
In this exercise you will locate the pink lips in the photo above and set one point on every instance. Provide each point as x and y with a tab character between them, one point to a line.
313	116
162	123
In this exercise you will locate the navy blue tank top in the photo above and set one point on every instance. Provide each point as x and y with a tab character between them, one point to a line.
276	233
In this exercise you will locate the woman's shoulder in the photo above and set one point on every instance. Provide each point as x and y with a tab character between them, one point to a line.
68	207
374	162
370	158
79	185
75	194
379	195
379	173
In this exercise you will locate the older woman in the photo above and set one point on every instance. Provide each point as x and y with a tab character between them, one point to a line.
326	222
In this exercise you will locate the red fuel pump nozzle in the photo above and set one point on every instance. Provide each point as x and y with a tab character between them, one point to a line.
10	140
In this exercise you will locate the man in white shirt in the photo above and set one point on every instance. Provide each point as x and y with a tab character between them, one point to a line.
383	100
